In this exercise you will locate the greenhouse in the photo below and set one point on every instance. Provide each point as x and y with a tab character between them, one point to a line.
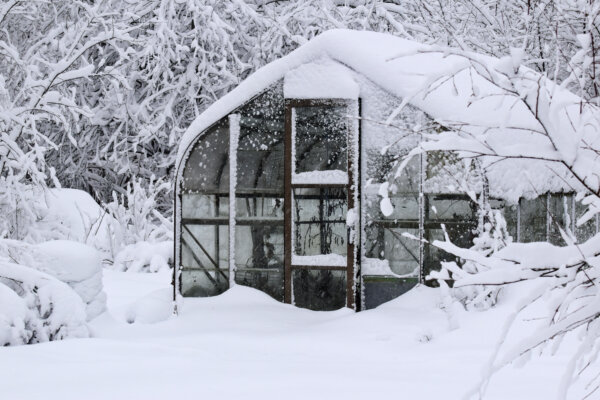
291	183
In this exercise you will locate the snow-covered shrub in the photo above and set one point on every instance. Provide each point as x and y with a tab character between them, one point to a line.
136	212
37	307
145	257
22	208
76	264
146	236
36	214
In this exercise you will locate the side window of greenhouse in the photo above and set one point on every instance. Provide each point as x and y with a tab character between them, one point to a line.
204	215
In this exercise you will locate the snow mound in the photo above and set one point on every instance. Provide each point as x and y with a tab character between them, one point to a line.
82	219
154	307
76	264
37	307
145	257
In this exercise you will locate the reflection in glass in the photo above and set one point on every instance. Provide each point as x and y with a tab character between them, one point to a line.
320	221
259	258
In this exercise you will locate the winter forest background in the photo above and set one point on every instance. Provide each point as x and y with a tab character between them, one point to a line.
95	95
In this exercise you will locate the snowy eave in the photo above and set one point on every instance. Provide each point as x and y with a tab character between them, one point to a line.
320	80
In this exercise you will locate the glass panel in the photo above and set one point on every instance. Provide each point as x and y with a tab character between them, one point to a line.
587	230
450	209
533	220
259	258
207	168
260	146
259	207
321	290
321	138
402	252
320	221
380	289
559	213
194	205
205	188
405	207
511	214
204	260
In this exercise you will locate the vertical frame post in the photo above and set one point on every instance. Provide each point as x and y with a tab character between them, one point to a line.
353	243
421	217
287	204
234	134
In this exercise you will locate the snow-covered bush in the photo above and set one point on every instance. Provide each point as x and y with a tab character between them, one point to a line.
36	214
145	257
37	307
73	263
136	212
144	235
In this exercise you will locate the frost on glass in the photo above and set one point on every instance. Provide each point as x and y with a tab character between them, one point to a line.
259	194
319	216
321	138
321	289
533	219
204	234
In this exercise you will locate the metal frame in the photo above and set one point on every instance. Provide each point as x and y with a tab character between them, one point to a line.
351	193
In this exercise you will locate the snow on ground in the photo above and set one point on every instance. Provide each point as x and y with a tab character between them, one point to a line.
243	344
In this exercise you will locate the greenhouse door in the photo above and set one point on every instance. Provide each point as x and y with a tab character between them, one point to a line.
320	221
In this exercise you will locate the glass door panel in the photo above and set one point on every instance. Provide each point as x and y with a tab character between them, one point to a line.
319	260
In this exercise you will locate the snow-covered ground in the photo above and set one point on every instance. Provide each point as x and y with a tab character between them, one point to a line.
243	344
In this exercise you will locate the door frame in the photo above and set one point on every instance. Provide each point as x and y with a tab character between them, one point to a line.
353	194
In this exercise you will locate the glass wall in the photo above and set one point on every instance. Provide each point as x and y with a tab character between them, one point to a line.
204	240
259	248
541	219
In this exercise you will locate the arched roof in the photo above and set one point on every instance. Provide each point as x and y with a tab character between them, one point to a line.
418	74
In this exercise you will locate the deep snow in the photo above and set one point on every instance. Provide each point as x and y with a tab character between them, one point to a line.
243	344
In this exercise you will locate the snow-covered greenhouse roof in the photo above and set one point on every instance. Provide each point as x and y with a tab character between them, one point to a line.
448	86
